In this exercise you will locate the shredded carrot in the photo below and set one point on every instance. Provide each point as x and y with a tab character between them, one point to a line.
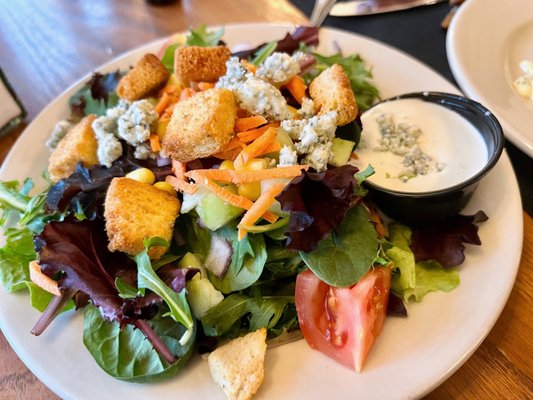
261	205
186	93
179	169
376	220
247	123
297	88
171	88
228	175
155	144
235	144
42	280
163	103
274	147
257	147
228	154
205	85
180	185
252	134
249	66
234	199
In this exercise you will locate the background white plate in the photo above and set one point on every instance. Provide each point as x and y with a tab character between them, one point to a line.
486	41
412	355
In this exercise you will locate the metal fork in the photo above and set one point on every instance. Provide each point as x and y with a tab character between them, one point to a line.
321	10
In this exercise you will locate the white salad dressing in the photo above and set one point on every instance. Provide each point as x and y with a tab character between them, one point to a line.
435	147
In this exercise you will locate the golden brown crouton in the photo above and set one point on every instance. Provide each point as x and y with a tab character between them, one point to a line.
146	77
238	366
78	145
135	211
200	64
201	125
331	91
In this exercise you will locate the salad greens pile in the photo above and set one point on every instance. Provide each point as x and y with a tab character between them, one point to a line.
178	303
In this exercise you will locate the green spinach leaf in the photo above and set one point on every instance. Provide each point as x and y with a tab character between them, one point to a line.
125	354
345	256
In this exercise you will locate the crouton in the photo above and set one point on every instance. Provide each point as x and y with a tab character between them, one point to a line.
200	64
135	211
331	91
78	145
200	126
146	77
238	366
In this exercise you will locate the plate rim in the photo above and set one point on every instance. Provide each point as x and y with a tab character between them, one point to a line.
505	161
468	85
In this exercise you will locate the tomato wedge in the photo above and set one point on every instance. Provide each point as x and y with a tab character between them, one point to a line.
343	323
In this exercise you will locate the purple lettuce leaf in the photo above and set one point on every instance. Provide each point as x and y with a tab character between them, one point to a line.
317	202
77	252
290	43
444	242
395	306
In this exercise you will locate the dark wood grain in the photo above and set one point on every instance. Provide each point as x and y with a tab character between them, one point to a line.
47	45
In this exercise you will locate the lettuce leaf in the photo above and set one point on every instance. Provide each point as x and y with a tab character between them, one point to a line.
318	203
124	352
264	311
306	35
412	280
347	254
148	279
444	242
360	76
200	36
15	257
96	96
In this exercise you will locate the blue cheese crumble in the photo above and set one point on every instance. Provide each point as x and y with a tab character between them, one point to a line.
287	157
128	121
307	110
313	138
58	133
279	68
135	124
402	140
254	94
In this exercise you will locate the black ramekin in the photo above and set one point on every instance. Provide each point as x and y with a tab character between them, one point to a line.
423	208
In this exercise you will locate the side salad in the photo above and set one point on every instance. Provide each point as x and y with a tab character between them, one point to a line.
204	194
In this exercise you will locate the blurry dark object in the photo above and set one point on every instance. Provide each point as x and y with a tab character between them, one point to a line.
12	112
160	2
352	8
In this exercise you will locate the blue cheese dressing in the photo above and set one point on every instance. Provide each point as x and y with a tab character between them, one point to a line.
418	146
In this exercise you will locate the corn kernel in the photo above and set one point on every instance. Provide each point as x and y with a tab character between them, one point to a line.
165	187
293	111
251	190
227	164
161	127
256	164
143	175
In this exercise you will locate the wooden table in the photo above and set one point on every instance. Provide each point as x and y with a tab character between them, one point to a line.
46	46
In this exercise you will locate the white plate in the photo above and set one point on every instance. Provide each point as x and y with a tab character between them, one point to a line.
411	357
486	41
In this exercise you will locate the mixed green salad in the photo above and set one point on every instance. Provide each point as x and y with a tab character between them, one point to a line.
325	266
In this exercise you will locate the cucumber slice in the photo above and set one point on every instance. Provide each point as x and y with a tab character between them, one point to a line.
341	151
